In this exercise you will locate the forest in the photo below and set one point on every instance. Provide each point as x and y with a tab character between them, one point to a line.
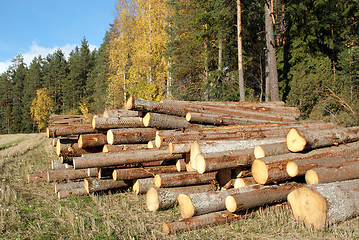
189	50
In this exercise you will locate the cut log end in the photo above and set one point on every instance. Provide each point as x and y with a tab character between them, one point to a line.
260	171
114	175
259	152
110	137
181	165
166	228
94	123
152	201
146	119
158	140
295	142
311	177
186	205
58	147
150	145
292	169
231	204
158	181
195	150
188	117
200	163
170	148
308	207
136	187
86	185
130	102
80	142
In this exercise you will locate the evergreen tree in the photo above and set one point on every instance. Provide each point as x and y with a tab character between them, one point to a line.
5	102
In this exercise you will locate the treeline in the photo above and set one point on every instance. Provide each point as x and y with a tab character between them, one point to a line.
188	50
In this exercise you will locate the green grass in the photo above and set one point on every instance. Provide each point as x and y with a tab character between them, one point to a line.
12	143
32	211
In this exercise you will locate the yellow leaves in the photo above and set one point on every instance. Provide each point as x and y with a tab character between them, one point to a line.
41	107
85	111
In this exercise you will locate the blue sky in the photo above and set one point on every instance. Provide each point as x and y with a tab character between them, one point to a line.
39	27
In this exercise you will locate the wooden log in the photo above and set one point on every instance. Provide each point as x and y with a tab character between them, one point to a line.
183	178
68	186
225	103
125	157
181	165
273	168
162	121
122	147
113	122
141	186
135	173
164	198
201	203
56	163
179	147
224	178
92	140
130	135
298	140
73	150
321	205
122	113
242	182
347	171
69	130
40	176
70	174
201	147
209	162
96	185
71	192
258	197
273	149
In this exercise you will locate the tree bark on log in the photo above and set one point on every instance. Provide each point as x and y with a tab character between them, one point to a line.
40	176
68	186
122	113
164	198
123	122
56	163
347	171
225	104
201	203
130	135
179	147
321	205
73	150
181	165
96	185
135	173
71	192
69	130
162	121
92	140
273	149
122	158
298	140
123	147
258	197
141	186
177	179
242	182
70	174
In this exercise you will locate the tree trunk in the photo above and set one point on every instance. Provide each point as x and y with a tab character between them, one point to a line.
321	205
179	147
113	122
73	150
119	113
272	149
242	95
225	104
69	130
68	186
92	140
258	197
70	174
183	179
40	176
164	198
95	184
242	182
57	164
270	44
298	140
162	121
141	186
347	171
130	135
71	192
122	158
135	173
121	148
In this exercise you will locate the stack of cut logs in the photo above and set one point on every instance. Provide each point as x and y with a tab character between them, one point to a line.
218	160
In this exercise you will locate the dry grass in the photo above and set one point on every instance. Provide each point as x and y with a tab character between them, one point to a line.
32	211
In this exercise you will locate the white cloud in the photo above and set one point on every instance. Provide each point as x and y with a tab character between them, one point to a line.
36	50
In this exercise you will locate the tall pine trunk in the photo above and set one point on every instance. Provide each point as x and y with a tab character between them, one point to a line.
240	58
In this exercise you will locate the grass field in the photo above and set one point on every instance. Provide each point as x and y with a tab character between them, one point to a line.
32	211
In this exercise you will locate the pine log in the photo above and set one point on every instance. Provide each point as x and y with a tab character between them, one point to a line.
273	149
201	203
201	147
122	113
150	144
162	121
69	130
242	182
321	205
347	171
298	140
225	103
224	178
130	135
183	179
70	174
179	147
273	168
181	165
73	150
56	163
164	198
96	185
122	158
68	186
54	142
123	147
300	167
40	176
123	122
71	192
209	162
92	140
135	173
141	186
258	197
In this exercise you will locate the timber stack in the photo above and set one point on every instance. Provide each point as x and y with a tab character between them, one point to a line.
219	161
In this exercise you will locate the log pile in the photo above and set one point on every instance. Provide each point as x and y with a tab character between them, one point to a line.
217	161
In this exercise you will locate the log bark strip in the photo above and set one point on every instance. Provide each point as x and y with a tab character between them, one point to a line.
70	130
141	186
321	205
92	140
298	140
164	198
40	176
162	121
95	184
70	174
71	192
123	147
183	178
123	122
122	113
68	186
130	135
273	149
135	173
